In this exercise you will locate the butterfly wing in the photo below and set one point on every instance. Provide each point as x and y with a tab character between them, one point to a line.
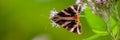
69	18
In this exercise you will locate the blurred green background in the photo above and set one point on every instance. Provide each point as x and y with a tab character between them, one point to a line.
26	19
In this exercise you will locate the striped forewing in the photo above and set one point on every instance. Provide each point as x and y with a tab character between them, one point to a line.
67	18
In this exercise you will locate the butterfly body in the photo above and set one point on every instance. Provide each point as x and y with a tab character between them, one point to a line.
69	18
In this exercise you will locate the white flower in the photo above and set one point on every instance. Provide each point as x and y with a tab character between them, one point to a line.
42	37
77	1
89	0
83	6
53	13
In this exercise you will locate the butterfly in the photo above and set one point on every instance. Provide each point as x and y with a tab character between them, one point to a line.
69	18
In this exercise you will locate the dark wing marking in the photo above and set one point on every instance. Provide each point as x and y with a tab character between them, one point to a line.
66	18
63	14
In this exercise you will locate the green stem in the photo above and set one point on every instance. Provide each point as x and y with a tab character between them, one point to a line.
108	22
109	29
118	31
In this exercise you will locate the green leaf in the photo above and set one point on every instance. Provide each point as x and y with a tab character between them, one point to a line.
93	37
115	30
118	8
97	24
113	26
113	22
